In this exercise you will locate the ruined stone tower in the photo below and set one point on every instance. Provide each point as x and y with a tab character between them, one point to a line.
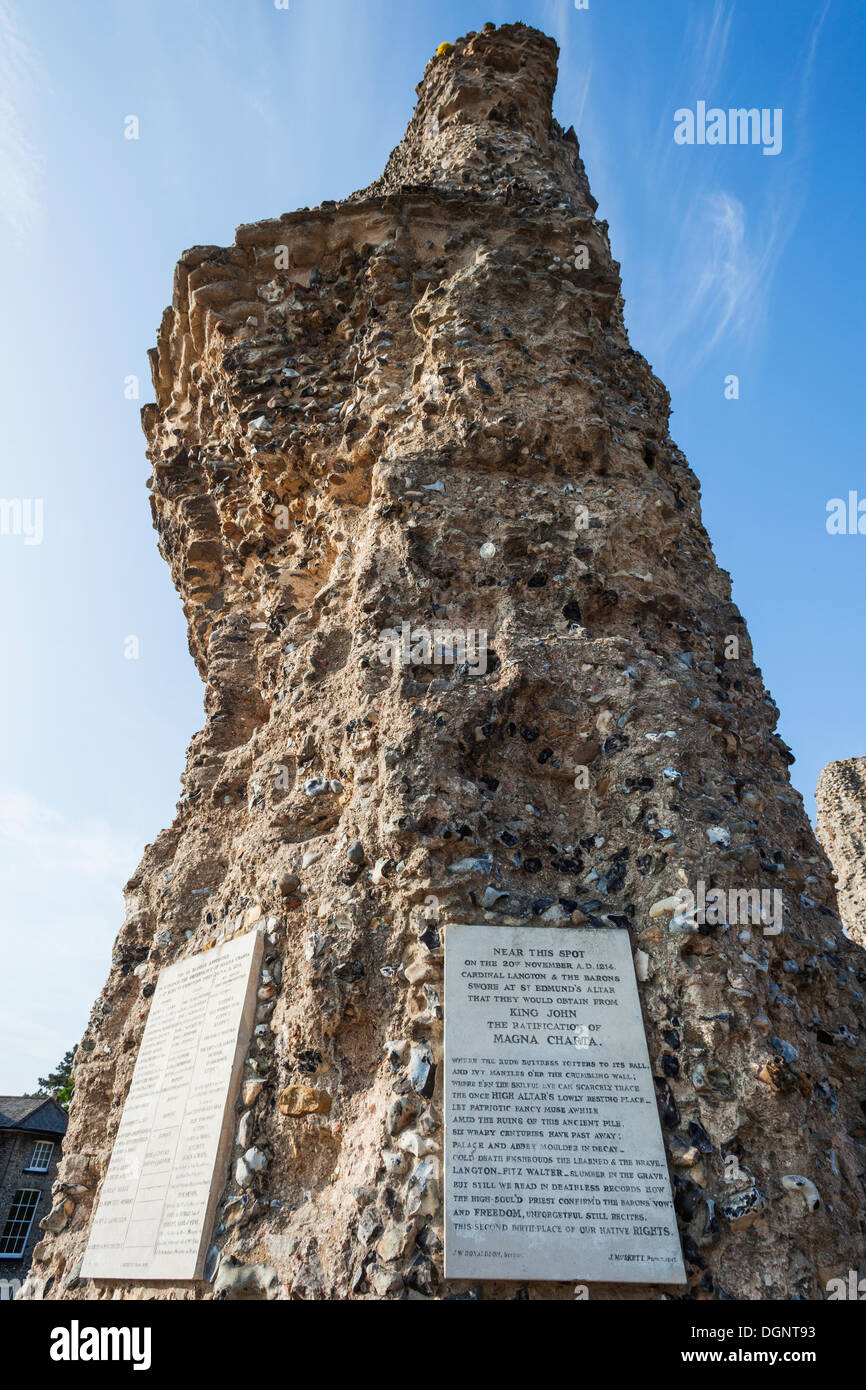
841	797
419	406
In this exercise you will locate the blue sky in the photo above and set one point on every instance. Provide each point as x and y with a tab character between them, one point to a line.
732	262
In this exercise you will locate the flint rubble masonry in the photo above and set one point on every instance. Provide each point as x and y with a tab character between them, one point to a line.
440	327
841	797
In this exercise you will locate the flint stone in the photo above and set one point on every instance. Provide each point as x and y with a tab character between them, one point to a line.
304	1100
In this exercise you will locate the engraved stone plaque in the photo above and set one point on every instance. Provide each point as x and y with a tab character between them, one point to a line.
157	1203
554	1162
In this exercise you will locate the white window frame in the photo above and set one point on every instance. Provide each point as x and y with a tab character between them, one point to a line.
33	1166
22	1237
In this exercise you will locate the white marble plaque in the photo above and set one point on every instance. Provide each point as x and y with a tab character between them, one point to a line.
157	1203
554	1165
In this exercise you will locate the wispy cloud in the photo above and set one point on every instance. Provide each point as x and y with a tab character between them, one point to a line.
20	162
721	271
704	50
726	249
812	48
807	75
711	39
725	269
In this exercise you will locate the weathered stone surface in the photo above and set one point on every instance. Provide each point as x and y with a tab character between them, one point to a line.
58	1217
304	1100
841	797
235	1280
420	406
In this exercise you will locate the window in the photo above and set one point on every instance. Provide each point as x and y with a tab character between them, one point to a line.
41	1158
17	1228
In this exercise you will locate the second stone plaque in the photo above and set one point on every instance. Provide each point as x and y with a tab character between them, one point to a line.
555	1166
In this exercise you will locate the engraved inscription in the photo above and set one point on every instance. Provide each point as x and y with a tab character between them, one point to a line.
555	1167
156	1205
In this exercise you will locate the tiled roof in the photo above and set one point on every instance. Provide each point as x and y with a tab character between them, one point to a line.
42	1114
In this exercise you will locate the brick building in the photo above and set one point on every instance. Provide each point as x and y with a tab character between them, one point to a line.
31	1132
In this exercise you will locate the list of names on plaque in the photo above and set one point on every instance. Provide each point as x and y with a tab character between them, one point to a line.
555	1166
156	1206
